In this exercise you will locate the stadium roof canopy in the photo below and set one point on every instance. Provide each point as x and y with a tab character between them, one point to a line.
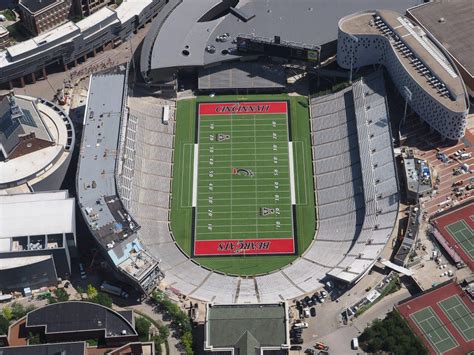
451	23
180	39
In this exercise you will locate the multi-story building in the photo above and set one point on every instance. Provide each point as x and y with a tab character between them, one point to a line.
41	16
420	69
114	229
64	45
36	144
4	37
37	231
88	7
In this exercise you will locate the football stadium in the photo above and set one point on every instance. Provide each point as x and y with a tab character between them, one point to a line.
237	181
250	193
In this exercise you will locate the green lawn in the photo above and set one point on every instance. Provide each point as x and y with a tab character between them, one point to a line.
244	220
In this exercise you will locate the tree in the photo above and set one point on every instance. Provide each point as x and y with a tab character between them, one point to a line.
7	313
33	339
61	295
142	326
164	332
103	299
91	291
187	341
4	324
391	335
80	291
18	310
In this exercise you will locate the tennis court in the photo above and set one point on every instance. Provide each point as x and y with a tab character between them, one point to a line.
442	317
455	228
434	330
464	236
459	315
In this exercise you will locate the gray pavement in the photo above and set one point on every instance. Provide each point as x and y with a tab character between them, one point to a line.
339	337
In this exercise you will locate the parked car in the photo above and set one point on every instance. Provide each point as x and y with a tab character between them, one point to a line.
314	299
306	312
300	325
306	300
82	271
310	351
296	347
312	311
321	346
297	341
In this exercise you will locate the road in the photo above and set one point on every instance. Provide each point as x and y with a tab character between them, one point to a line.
339	339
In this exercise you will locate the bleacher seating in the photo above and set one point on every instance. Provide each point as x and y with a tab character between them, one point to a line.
356	195
378	175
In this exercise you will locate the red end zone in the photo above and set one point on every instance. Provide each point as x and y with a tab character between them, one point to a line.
242	108
241	247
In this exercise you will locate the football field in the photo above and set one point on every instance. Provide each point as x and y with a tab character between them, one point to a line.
243	180
242	190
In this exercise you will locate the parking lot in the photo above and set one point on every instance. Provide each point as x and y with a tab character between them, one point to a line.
450	178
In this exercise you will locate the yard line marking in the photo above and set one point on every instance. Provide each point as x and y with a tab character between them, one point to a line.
292	173
195	174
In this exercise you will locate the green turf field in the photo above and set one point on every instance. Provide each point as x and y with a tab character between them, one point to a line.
242	174
463	235
437	334
237	199
459	315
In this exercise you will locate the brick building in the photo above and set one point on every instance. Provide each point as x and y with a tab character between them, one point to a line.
42	15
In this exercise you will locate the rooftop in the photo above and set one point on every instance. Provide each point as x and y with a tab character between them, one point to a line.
46	213
418	175
113	227
13	263
76	348
75	316
421	47
18	117
128	8
37	5
97	18
193	31
45	40
97	192
451	23
38	159
246	327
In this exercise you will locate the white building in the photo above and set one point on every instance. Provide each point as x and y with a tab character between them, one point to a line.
37	231
421	71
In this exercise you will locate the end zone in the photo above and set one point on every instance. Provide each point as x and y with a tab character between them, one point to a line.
242	108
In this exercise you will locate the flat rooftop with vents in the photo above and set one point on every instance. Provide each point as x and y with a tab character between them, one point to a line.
450	22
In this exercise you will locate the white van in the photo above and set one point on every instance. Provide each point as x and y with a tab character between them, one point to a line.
355	344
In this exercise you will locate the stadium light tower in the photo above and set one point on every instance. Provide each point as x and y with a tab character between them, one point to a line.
355	39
